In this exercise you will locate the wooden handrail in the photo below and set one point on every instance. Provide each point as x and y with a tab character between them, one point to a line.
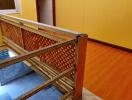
40	25
41	33
46	84
34	53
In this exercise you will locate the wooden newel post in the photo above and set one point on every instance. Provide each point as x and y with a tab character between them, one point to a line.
82	46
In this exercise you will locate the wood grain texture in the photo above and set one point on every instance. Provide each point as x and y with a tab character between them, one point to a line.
81	56
108	72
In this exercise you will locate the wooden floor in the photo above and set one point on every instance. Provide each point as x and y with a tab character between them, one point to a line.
108	72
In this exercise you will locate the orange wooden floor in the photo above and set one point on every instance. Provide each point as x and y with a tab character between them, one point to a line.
108	72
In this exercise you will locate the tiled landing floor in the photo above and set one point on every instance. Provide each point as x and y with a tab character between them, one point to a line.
87	95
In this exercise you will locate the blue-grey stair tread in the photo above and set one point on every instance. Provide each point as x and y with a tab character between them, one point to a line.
22	85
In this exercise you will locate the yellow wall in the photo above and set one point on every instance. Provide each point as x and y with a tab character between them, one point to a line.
69	14
106	20
28	11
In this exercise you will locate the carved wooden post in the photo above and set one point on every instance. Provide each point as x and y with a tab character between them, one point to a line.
82	46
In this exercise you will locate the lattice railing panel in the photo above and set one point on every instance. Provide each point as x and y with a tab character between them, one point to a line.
61	58
29	40
33	41
12	32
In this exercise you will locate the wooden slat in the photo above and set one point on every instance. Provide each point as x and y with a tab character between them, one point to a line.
2	48
46	84
68	95
33	53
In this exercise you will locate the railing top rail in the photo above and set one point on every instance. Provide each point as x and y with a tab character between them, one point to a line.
41	25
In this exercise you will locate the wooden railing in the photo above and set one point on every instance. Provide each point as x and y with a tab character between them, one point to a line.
55	53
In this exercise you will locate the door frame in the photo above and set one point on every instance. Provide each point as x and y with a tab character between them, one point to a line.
53	9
